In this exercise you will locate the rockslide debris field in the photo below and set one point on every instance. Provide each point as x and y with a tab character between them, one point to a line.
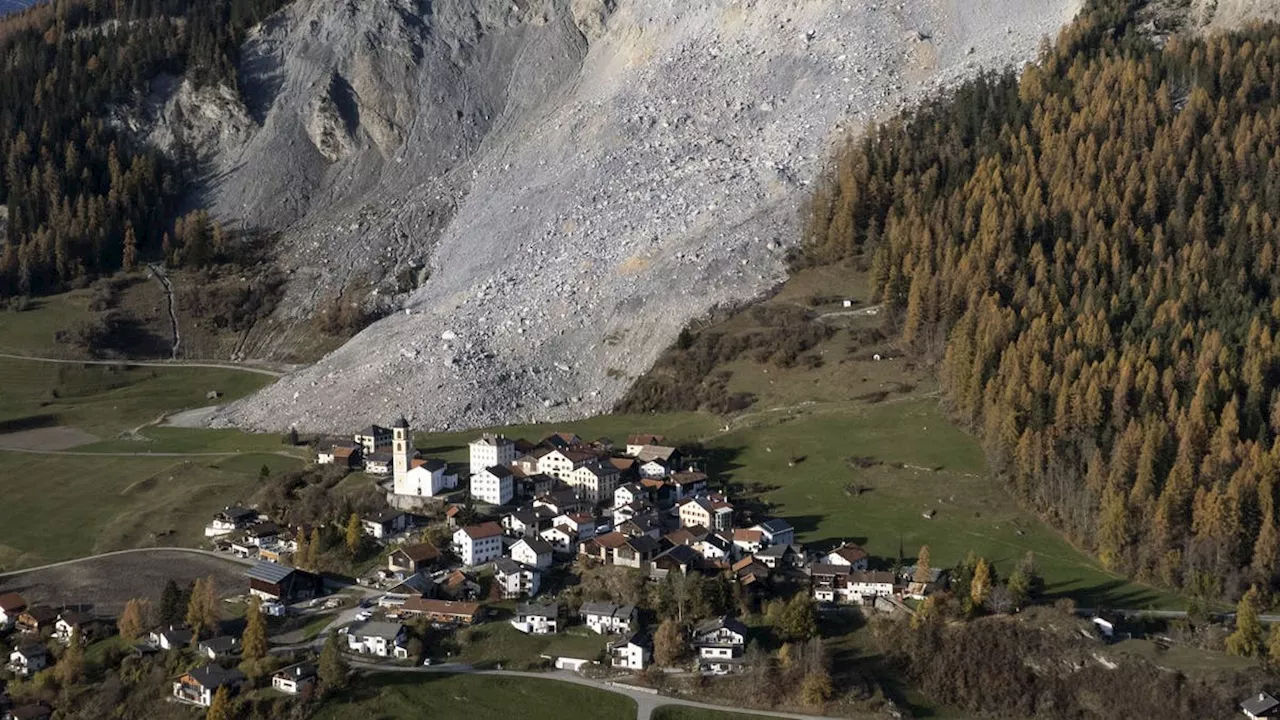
582	177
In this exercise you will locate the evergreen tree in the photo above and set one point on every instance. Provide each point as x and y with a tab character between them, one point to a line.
1246	641
332	669
668	644
220	707
171	604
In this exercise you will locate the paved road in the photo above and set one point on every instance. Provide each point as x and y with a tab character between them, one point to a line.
150	363
1168	614
193	551
646	702
869	310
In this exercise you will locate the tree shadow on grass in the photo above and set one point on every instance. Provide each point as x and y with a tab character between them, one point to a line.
1118	594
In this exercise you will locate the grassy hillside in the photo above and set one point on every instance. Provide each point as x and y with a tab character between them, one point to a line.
399	696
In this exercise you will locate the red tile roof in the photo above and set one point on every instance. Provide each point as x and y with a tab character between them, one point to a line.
483	530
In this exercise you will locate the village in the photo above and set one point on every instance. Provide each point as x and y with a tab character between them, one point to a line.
518	529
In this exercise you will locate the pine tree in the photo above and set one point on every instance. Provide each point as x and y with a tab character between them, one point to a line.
220	707
354	534
253	643
70	667
129	259
195	608
171	606
332	669
1246	641
668	645
924	573
980	586
133	621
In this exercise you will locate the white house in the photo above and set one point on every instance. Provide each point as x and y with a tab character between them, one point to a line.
776	532
1260	707
582	524
27	660
170	637
294	679
560	537
858	588
711	512
426	478
595	481
747	540
372	438
374	637
490	450
533	552
848	554
715	547
68	623
534	619
198	686
607	618
560	464
385	523
720	638
478	544
633	653
495	485
230	519
516	579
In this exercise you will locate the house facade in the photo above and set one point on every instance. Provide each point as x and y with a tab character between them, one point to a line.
377	638
425	478
595	481
713	513
608	618
633	653
532	619
295	679
478	544
848	554
490	450
27	660
11	606
494	485
198	686
516	579
533	552
720	641
415	557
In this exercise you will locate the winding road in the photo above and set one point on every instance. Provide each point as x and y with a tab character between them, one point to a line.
134	551
151	363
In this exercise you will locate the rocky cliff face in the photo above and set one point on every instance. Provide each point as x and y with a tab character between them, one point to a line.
582	176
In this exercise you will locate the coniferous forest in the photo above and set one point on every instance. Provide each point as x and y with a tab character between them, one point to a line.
1088	251
80	198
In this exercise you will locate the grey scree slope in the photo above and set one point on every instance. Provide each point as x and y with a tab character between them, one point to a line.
583	176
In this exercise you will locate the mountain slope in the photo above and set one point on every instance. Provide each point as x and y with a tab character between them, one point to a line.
584	177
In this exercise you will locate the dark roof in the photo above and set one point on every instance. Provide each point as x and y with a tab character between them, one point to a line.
645	439
507	566
12	601
42	613
235	512
431	464
269	572
537	545
607	609
714	624
1260	705
378	457
641	639
687	478
221	644
401	423
776	525
176	635
499	471
383	516
75	619
850	552
373	431
34	650
215	676
300	671
31	712
548	610
263	530
828	569
683	554
643	543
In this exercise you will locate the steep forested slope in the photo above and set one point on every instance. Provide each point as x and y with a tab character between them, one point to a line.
79	197
1089	249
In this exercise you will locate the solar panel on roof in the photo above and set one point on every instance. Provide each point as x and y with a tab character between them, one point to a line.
269	572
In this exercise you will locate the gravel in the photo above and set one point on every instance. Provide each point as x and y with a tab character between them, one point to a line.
581	178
